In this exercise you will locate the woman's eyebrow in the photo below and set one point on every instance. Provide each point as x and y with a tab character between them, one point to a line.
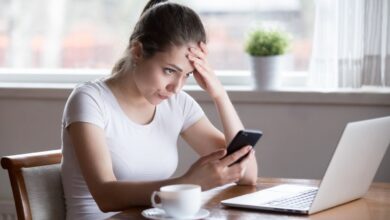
176	67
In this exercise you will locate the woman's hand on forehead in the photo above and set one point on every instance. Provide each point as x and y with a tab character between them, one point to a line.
204	74
201	49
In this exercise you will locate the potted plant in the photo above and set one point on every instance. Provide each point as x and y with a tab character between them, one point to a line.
267	50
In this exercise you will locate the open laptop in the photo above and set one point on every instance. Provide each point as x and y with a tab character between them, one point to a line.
360	150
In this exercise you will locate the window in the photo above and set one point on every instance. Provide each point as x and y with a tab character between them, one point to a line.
92	34
65	33
228	21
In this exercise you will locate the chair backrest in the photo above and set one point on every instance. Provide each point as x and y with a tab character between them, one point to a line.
36	184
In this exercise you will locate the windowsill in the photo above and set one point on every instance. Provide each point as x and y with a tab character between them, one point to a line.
238	94
58	84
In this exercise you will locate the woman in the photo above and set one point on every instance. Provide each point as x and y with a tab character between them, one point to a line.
120	133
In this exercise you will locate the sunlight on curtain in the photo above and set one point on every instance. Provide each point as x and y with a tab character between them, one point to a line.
351	46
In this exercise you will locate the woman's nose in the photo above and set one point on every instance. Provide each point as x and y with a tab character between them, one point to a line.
175	86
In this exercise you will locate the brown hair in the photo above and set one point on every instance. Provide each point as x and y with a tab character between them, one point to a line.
162	24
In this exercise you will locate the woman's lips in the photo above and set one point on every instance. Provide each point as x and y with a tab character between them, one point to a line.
163	96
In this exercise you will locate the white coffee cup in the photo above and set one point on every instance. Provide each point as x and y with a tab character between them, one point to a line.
178	201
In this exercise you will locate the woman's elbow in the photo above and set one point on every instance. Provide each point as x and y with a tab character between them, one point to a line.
105	205
252	182
247	182
104	209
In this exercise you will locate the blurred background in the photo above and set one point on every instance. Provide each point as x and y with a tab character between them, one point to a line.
94	33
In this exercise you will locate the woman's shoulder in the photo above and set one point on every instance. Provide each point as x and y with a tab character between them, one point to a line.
90	87
94	89
85	104
87	92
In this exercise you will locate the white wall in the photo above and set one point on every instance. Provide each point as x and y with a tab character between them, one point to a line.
301	130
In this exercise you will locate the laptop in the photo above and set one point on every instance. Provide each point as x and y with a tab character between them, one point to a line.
351	170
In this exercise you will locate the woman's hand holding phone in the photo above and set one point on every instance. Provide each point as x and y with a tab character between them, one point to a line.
217	169
225	165
242	139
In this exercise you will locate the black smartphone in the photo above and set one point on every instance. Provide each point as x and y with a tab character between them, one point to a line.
243	138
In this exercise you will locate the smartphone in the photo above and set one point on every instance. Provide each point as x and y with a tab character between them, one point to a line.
243	138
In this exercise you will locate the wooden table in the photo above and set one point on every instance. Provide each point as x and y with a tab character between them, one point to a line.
374	205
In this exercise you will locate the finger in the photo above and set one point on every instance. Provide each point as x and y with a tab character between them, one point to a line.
216	155
205	70
197	52
201	75
233	176
251	156
247	158
201	69
204	48
235	156
201	62
196	59
241	167
199	78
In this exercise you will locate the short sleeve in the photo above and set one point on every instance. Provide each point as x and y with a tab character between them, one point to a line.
191	110
84	105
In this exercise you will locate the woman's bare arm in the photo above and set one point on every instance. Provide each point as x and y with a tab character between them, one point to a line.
231	122
112	195
96	166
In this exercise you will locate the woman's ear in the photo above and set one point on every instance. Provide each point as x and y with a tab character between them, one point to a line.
136	51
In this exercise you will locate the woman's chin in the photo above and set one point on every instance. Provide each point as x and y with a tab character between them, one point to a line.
155	101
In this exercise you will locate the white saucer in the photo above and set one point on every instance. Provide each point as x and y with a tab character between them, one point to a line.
156	213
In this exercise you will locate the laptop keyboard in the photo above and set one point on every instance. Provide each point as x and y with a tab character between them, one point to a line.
300	201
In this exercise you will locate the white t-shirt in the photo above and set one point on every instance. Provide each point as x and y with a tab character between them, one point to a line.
138	152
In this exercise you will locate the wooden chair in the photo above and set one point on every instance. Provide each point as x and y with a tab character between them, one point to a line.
36	184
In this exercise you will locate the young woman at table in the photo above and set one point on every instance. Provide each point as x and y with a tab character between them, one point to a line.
120	133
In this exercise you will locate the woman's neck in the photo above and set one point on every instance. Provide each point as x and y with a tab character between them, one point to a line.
126	90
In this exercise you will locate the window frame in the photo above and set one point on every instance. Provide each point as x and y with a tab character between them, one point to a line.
240	79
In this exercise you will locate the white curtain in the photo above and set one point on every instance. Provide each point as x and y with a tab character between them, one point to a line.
351	46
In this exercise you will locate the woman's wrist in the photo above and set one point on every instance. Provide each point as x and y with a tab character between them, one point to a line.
249	178
184	179
222	95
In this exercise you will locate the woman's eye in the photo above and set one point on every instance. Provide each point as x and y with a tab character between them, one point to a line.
189	74
169	71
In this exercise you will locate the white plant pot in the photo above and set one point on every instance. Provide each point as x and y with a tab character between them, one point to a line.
267	70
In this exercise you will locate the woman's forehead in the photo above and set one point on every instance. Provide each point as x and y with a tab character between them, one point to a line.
176	55
179	51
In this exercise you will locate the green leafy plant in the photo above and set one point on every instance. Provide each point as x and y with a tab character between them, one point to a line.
261	42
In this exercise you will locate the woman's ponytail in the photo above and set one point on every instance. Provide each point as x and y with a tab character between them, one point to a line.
120	65
151	3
